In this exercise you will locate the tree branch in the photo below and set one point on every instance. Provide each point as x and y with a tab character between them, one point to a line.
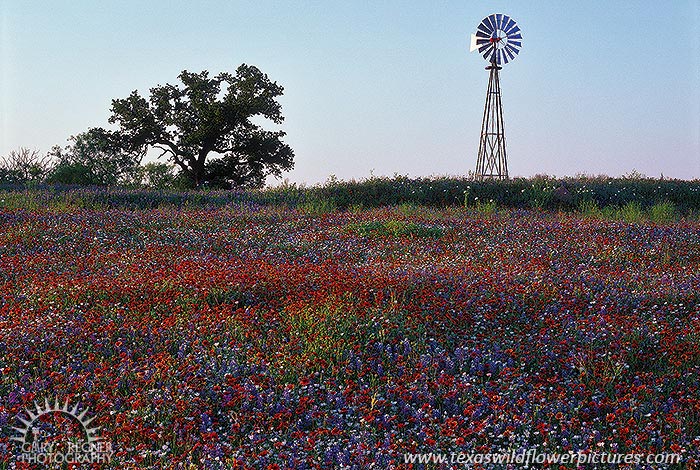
174	153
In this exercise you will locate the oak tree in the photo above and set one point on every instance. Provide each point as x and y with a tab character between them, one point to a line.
209	127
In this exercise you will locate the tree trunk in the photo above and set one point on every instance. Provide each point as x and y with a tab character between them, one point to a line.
198	174
198	167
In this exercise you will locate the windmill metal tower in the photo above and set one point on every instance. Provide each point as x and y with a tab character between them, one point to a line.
499	40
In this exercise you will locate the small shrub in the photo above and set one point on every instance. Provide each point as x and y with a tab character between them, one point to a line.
631	212
369	228
662	212
412	229
397	228
220	296
317	206
356	208
407	209
486	208
589	208
611	212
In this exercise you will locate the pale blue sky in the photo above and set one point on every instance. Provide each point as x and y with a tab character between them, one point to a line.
600	87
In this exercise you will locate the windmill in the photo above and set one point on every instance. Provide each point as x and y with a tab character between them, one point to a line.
499	40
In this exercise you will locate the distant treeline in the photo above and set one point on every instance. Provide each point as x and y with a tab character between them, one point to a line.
541	192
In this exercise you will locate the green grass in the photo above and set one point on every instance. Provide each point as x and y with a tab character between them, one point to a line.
396	228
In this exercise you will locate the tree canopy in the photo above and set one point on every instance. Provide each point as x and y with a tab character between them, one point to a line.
96	157
205	126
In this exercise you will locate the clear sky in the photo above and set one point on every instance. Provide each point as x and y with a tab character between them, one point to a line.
599	87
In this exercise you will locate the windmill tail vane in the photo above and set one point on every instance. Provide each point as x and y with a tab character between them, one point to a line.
498	40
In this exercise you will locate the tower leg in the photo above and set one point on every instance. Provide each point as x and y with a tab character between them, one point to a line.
491	162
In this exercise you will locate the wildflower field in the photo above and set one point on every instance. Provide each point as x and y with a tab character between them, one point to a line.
246	336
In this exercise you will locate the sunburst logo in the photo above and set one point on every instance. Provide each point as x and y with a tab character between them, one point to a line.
91	449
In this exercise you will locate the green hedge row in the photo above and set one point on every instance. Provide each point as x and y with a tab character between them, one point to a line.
539	193
544	193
